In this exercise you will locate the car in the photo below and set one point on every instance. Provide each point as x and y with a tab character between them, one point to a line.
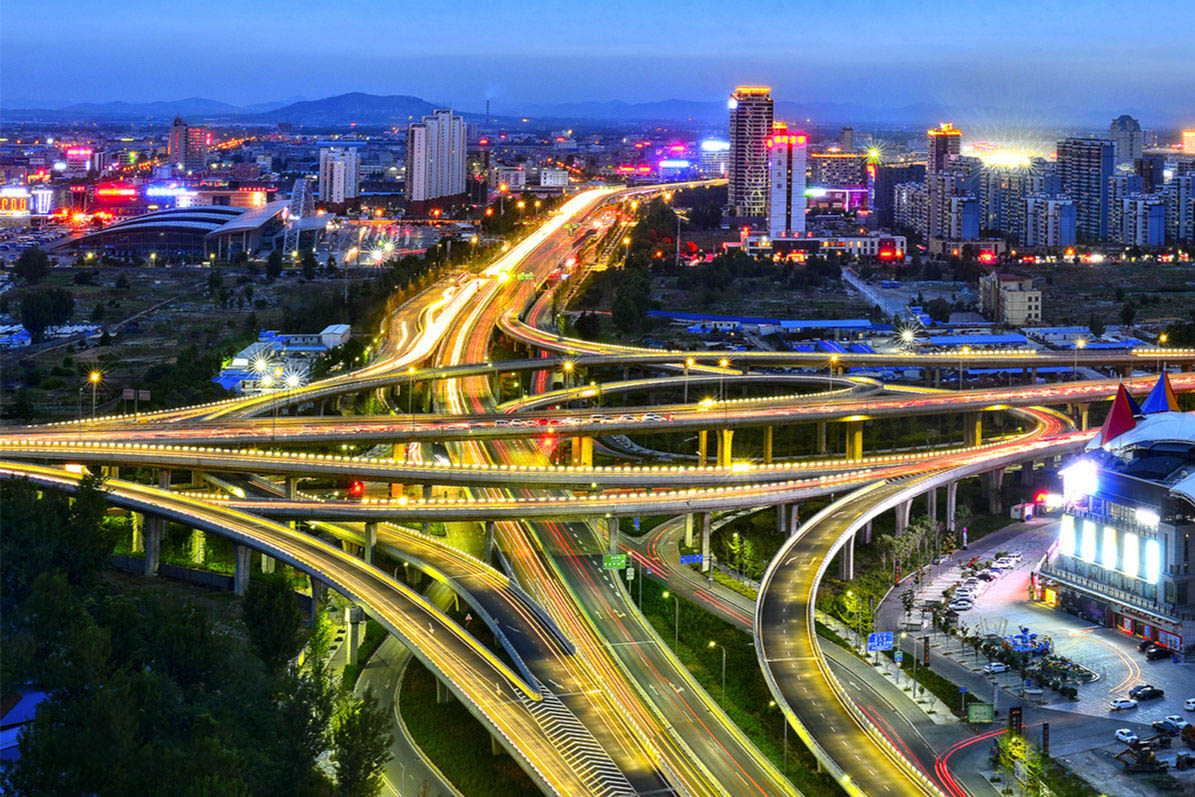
986	575
1166	728
1189	705
961	605
1146	692
943	559
653	416
1144	645
1127	736
995	667
1178	721
1155	652
1122	703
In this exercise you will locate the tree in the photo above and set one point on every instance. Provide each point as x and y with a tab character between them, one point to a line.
1096	325
361	740
1127	313
908	599
309	264
272	617
939	310
274	265
44	308
32	265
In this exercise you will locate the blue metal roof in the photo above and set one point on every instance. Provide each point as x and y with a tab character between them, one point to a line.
1009	339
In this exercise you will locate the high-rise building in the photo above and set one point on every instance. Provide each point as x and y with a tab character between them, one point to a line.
1179	195
1085	165
715	157
1189	141
1126	133
846	139
1120	186
1049	221
952	211
910	208
750	126
1002	193
944	146
187	146
1142	220
339	174
786	179
887	178
436	161
837	169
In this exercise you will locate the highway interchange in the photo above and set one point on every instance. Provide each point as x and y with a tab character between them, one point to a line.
593	702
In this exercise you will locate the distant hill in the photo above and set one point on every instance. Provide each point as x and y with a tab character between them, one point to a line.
353	107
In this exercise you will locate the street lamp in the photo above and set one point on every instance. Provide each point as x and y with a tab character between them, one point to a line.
94	378
1079	343
676	624
963	351
714	644
626	241
689	361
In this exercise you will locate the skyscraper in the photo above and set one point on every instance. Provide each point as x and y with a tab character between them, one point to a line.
943	147
1126	132
339	173
436	161
1189	142
177	143
750	126
846	139
188	146
786	178
1084	165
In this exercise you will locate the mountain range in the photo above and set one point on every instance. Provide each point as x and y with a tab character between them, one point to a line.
399	109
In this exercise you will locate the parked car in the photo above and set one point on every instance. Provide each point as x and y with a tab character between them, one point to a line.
1155	652
1189	705
995	667
961	605
1122	703
1144	645
1146	692
1178	721
986	575
1127	736
943	559
1166	728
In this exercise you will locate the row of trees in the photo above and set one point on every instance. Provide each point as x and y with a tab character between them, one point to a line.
146	693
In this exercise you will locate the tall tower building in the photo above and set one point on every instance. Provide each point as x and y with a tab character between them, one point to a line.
436	161
846	139
750	126
177	143
187	146
339	173
1085	165
1126	132
943	147
786	179
1189	142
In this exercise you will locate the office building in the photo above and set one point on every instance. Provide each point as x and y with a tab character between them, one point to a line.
750	125
837	169
887	177
1009	298
1126	133
715	157
1142	220
436	162
944	146
1084	166
553	178
1189	141
846	139
339	174
1049	222
507	178
786	179
187	146
1179	195
1123	555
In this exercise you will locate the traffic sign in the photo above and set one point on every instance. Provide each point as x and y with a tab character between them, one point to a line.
879	640
690	559
614	561
635	523
981	712
962	690
524	275
899	656
630	574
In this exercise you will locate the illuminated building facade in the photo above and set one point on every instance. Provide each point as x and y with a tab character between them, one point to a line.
1179	195
436	162
1049	222
188	146
786	179
339	174
944	145
1123	554
1126	133
750	125
837	169
715	157
1085	165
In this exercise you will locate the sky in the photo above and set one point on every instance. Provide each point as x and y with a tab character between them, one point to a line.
1031	54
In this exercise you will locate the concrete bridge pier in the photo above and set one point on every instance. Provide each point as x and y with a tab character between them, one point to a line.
582	452
198	546
794	518
240	579
427	492
1027	473
702	447
993	480
903	510
781	518
931	503
822	447
725	439
972	428
854	439
371	541
951	504
137	521
1083	416
846	560
867	533
767	445
612	535
354	618
705	542
443	695
153	544
689	530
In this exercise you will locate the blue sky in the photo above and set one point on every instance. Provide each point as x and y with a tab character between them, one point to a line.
1039	54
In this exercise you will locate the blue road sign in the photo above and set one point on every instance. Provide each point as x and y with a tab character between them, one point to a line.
690	559
635	523
879	640
962	690
899	656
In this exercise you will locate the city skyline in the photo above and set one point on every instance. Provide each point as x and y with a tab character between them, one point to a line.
973	57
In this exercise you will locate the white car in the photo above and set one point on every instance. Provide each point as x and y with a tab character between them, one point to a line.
961	605
1190	704
995	667
1122	703
1127	736
1179	722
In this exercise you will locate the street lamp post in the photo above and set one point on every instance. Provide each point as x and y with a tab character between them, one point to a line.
1079	343
714	644
94	378
688	362
676	623
963	351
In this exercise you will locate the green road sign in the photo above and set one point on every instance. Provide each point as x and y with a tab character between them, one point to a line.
524	275
980	712
614	561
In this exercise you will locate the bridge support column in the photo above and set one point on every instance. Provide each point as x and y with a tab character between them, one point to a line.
1027	473
240	578
443	695
937	377
781	519
767	445
582	452
931	503
153	544
689	530
495	746
822	448
137	521
196	479
903	509
397	454
972	428
1084	411
794	518
426	526
951	504
725	437
993	480
198	546
110	471
867	533
854	439
705	542
371	541
488	550
702	446
267	564
354	618
164	479
318	590
612	535
1126	372
846	560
